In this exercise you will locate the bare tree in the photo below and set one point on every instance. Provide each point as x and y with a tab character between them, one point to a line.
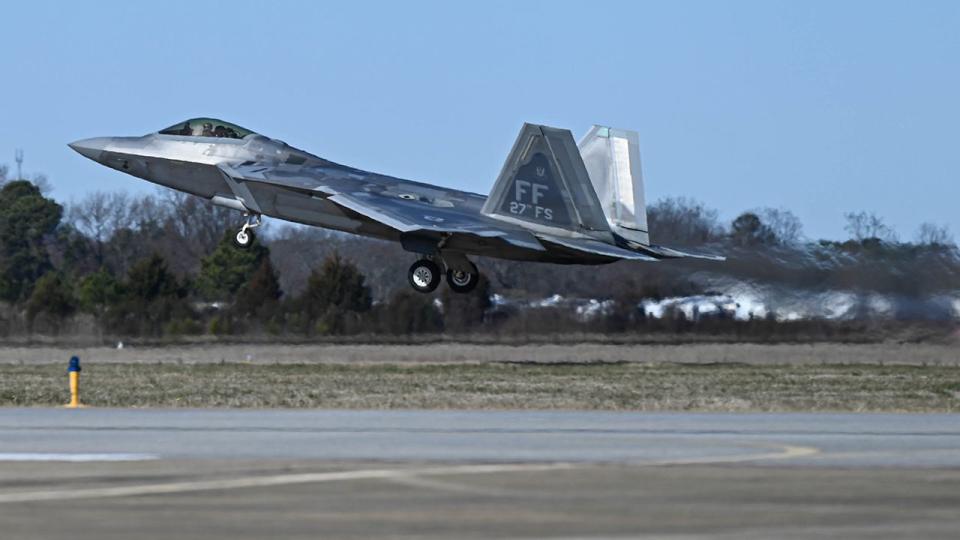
198	222
147	212
683	221
749	230
866	225
931	234
42	182
99	215
784	224
123	228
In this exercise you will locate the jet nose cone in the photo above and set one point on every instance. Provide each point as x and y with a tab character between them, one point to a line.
91	148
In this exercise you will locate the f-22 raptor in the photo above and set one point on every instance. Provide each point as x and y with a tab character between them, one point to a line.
554	201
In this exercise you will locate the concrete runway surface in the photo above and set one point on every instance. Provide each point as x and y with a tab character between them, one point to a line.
107	473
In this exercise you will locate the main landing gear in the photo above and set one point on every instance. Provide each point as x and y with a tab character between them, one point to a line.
245	237
425	275
462	281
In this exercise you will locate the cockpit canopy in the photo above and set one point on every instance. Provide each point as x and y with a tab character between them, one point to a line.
207	127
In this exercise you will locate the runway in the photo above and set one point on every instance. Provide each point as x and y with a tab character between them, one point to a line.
480	474
849	440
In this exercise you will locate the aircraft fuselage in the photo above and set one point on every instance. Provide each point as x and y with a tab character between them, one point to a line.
545	205
191	165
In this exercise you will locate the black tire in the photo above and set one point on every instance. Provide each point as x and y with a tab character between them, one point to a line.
424	276
463	282
250	239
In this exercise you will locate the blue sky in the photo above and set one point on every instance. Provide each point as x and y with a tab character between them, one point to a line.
819	107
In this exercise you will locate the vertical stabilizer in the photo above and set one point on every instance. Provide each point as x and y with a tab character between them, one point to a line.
545	186
612	159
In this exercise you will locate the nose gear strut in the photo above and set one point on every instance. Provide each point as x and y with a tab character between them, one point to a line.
245	237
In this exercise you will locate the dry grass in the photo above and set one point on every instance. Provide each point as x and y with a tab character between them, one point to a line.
919	354
630	386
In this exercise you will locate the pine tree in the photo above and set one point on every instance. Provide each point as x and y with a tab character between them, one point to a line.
410	312
26	219
224	272
335	297
96	291
51	297
150	279
260	295
152	298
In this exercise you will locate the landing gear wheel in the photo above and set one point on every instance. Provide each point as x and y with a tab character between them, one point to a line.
424	276
243	239
461	281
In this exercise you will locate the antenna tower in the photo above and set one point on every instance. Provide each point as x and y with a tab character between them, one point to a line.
18	157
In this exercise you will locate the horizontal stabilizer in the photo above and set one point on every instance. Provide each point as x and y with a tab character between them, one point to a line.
662	252
588	247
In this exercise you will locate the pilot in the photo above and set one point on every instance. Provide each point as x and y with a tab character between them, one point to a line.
220	131
207	130
187	130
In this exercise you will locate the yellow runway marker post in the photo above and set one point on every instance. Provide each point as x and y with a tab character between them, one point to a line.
73	372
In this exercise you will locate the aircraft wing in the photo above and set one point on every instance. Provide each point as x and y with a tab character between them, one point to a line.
408	209
418	213
411	217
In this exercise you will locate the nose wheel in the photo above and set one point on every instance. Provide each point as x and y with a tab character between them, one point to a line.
244	238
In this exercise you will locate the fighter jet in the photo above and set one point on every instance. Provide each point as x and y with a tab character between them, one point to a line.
554	201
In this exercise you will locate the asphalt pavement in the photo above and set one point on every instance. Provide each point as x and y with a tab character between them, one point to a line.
111	473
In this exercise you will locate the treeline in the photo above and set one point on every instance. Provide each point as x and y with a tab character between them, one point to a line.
152	267
114	265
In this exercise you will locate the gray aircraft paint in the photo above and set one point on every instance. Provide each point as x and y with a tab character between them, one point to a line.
533	195
544	185
260	175
612	159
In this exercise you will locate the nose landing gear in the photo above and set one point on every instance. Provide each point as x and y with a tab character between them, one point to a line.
244	237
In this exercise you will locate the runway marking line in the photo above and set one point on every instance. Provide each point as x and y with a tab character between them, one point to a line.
81	457
362	474
786	452
268	481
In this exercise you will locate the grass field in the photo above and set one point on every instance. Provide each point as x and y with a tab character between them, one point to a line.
583	352
623	386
